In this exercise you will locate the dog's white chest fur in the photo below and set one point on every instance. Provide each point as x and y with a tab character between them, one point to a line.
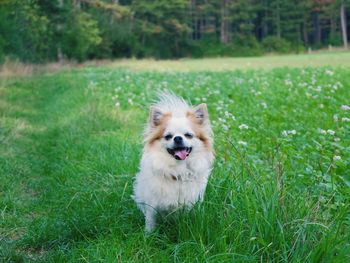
164	184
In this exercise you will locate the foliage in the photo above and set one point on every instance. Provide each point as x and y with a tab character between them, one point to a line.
24	30
49	30
276	44
81	36
161	27
242	46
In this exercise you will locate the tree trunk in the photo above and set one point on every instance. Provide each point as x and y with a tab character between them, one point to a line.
59	28
317	27
77	4
305	32
343	25
278	20
265	28
192	9
224	23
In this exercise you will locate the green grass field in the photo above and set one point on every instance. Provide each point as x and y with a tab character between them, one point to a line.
339	59
70	144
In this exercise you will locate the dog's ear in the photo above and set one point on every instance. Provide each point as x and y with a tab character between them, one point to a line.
155	116
201	113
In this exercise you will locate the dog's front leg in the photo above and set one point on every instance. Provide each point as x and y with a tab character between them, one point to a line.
150	219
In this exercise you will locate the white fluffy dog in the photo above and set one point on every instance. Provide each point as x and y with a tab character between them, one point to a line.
176	160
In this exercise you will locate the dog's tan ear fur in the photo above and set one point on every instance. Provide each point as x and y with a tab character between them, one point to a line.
201	113
155	116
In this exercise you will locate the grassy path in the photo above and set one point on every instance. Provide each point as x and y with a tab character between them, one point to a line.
59	157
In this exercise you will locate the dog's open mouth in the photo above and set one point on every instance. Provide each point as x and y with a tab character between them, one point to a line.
180	153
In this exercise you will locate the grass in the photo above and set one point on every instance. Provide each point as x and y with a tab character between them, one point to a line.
223	64
279	191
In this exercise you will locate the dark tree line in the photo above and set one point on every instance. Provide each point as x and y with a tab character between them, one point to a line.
50	30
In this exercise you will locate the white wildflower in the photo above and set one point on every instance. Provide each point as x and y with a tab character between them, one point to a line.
345	107
344	119
331	132
322	131
243	126
225	127
336	139
264	105
336	158
242	143
117	104
130	101
221	120
335	117
286	133
329	72
288	82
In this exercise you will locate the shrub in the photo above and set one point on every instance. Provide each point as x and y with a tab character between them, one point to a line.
276	44
82	35
239	47
245	46
2	49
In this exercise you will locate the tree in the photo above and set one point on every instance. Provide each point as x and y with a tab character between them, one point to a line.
161	25
24	30
343	24
82	34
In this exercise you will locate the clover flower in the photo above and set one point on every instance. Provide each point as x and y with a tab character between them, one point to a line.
329	72
331	132
243	127
242	143
336	158
345	107
286	133
322	131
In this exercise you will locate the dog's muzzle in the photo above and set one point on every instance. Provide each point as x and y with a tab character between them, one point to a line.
180	153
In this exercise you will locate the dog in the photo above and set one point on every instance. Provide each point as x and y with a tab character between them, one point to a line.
177	158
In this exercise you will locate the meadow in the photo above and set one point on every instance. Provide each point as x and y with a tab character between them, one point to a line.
70	143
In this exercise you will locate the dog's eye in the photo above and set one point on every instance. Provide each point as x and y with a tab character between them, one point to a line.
168	137
188	135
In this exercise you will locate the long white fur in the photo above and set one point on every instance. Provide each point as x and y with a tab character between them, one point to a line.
163	182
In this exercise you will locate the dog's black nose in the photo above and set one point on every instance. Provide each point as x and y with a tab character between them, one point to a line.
178	139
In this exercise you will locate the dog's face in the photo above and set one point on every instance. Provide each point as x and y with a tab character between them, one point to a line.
179	136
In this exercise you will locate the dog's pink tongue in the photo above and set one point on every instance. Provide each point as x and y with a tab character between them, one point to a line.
181	154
